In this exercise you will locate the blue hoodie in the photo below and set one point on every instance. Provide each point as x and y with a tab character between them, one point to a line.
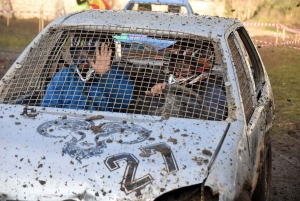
111	90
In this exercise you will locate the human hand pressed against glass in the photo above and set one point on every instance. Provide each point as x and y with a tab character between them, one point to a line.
102	63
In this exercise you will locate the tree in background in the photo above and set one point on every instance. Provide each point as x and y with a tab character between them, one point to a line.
278	10
243	9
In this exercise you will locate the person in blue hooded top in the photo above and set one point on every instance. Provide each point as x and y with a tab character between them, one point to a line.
92	82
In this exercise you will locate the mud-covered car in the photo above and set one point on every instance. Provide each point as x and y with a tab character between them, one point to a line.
173	6
129	105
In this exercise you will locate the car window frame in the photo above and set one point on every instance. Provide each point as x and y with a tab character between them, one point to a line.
246	74
257	72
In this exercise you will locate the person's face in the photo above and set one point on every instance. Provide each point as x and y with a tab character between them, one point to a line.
83	59
182	69
204	57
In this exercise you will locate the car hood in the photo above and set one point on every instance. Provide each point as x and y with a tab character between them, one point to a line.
50	154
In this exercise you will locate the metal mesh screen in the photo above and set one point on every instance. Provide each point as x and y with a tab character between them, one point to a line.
122	70
244	82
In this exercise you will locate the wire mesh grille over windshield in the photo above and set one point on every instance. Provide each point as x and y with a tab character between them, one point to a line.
166	74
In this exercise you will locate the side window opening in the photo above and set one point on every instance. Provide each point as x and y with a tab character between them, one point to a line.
252	59
243	76
167	75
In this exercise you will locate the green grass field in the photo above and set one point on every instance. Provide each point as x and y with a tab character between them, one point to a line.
283	67
18	34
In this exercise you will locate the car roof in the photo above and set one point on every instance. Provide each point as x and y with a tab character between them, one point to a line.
206	26
178	2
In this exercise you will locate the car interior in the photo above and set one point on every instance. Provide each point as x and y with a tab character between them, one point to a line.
191	69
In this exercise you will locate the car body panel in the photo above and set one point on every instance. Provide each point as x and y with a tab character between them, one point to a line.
47	155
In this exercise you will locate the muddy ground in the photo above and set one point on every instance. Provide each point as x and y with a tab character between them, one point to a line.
286	166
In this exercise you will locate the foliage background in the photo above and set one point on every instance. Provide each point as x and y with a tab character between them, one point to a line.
284	11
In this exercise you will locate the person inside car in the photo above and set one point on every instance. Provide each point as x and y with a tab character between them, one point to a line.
92	82
192	67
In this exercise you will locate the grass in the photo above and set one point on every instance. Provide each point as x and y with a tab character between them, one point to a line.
282	65
18	34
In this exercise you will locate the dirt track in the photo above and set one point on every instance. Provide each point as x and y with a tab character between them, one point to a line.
286	167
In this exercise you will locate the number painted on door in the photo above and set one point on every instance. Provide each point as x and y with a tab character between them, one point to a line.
129	184
166	153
